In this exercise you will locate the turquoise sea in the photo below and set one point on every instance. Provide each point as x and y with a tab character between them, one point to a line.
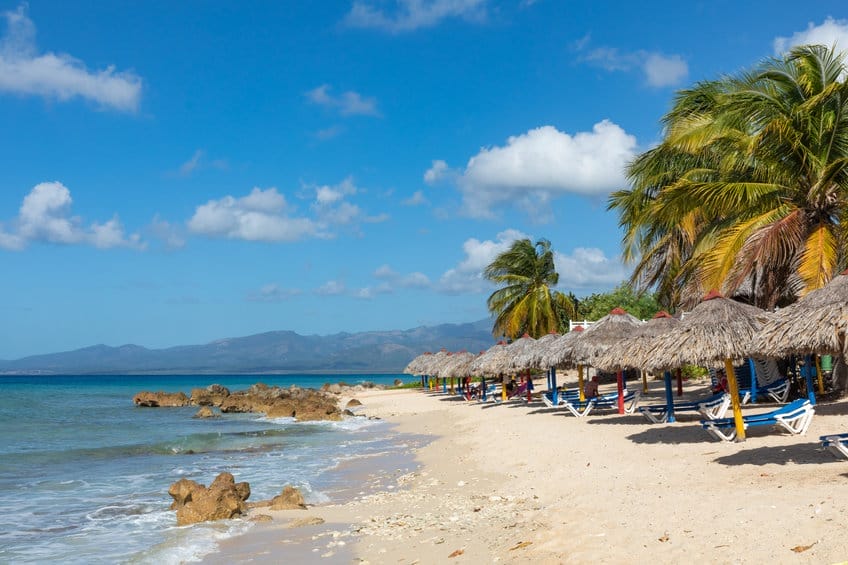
84	474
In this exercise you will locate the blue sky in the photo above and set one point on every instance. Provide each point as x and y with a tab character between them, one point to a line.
177	172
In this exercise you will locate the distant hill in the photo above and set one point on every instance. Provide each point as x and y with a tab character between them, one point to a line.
280	351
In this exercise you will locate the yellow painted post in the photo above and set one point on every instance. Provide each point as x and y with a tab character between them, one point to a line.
503	388
580	382
819	371
734	399
644	382
451	385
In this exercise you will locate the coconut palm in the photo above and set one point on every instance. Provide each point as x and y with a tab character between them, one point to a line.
526	303
749	188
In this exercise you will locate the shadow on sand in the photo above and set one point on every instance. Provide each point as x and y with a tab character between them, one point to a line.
806	453
672	434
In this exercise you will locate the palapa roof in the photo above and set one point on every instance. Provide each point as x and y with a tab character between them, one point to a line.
558	352
633	351
716	329
532	355
610	329
414	367
817	323
485	363
455	365
516	349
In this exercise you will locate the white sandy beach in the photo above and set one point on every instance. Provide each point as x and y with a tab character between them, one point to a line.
521	483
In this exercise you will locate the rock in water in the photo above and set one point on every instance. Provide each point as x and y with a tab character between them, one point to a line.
205	412
289	499
223	499
213	395
155	399
353	403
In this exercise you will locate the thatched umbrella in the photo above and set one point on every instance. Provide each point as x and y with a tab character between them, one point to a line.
717	332
600	336
454	366
815	325
554	355
515	350
531	357
634	351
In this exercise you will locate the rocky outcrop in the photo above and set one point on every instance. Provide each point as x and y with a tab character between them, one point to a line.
223	499
157	399
213	395
305	404
346	389
206	412
289	499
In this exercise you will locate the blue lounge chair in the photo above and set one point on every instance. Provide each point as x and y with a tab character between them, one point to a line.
606	401
794	417
562	396
711	408
836	444
778	391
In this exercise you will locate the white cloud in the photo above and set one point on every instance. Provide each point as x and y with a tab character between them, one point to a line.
166	232
259	216
189	166
369	292
199	161
348	103
273	293
265	215
536	166
828	33
588	268
392	278
410	15
58	76
467	276
331	288
437	171
417	199
45	216
660	70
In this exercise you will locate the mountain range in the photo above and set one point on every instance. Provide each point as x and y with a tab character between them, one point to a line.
270	352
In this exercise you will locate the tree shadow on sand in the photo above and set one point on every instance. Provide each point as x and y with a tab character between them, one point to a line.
806	453
672	434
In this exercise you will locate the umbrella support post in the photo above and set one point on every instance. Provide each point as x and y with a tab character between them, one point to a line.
734	399
819	373
503	388
444	386
529	386
753	370
554	392
808	376
620	381
644	382
580	383
669	397
679	382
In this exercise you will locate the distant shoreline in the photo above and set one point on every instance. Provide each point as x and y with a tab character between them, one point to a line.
192	373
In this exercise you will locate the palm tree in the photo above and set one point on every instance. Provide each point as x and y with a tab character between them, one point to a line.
749	188
526	304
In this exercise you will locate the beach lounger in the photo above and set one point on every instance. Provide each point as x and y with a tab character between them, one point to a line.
836	444
711	408
562	396
778	391
519	393
794	417
606	401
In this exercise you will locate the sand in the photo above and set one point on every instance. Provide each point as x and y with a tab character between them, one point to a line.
521	483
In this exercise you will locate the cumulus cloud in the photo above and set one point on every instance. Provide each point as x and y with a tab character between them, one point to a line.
369	292
409	15
169	234
830	32
417	199
272	293
659	69
262	215
45	216
467	276
331	288
534	167
393	279
437	171
58	76
588	268
348	103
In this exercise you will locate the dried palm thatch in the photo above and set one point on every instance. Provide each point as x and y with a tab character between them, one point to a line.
416	365
485	362
610	329
558	353
817	323
633	352
516	349
455	365
532	355
716	329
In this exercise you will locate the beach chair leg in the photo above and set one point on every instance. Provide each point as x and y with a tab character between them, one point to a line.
720	435
651	417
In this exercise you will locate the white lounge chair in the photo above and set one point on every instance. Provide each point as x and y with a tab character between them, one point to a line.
794	417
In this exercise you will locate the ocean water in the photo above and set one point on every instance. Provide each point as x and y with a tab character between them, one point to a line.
84	474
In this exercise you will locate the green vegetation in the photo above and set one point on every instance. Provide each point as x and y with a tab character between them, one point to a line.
526	303
598	305
748	191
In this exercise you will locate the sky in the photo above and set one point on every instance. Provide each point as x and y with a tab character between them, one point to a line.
179	172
